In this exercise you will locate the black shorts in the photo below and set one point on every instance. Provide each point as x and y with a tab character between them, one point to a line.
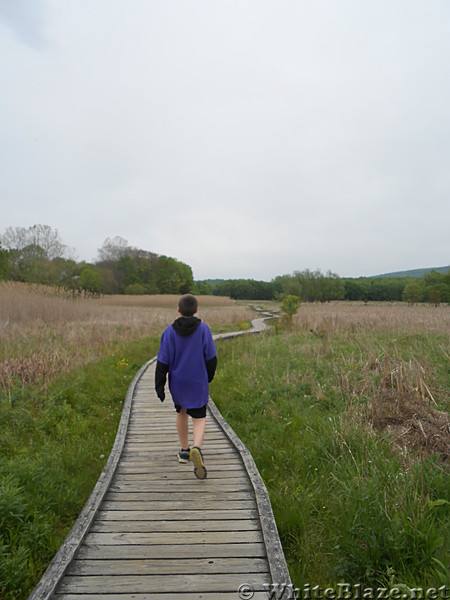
195	413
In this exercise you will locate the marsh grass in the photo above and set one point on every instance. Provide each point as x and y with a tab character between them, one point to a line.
349	429
374	316
44	332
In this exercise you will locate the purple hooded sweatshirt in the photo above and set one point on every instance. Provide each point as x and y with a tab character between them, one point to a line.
188	353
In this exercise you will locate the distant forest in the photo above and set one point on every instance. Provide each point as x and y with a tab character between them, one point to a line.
37	255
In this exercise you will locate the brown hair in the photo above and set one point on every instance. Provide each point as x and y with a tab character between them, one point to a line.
188	305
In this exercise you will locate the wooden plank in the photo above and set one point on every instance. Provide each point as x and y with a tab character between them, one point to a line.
168	447
206	537
162	583
168	506
185	496
178	551
171	451
175	515
216	459
172	526
145	467
181	496
166	566
170	487
180	474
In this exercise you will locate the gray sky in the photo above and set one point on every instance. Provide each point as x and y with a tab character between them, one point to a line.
247	138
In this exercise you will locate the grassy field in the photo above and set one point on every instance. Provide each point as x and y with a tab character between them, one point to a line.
346	417
65	366
345	414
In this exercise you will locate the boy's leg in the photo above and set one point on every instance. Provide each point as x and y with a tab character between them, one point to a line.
199	427
183	428
196	456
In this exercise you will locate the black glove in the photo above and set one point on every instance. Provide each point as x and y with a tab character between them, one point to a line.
160	379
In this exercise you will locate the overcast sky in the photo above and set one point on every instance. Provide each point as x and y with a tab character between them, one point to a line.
247	138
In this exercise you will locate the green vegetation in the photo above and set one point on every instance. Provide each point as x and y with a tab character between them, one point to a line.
315	410
243	289
289	308
314	406
54	444
37	255
315	286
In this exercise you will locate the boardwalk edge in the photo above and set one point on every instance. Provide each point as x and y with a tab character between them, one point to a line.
277	562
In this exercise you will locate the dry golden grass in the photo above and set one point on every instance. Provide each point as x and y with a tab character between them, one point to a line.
162	301
398	394
404	405
44	332
357	316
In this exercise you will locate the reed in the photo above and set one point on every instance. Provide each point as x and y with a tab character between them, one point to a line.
358	316
45	332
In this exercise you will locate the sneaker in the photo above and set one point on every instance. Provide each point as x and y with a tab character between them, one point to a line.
199	466
183	455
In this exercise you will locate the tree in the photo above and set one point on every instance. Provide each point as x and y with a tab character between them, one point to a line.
135	289
90	280
44	236
289	307
332	287
202	288
356	289
413	292
113	249
173	276
28	264
4	263
437	287
311	286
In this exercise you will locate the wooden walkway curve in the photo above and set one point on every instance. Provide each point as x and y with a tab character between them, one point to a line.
152	530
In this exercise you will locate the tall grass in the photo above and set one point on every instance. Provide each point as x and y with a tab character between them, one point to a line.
358	316
44	333
349	430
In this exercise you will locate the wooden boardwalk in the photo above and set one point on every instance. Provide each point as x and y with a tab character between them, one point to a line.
153	530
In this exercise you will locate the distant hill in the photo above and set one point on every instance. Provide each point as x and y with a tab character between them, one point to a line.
415	272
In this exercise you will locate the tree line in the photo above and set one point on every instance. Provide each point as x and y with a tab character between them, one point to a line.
37	255
315	286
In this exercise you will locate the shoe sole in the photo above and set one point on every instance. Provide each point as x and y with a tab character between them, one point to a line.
199	466
184	461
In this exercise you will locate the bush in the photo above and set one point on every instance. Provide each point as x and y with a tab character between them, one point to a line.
135	289
289	307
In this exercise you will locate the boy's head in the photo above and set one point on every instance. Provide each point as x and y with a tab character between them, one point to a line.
188	305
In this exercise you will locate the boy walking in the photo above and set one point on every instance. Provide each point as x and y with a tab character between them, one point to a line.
187	353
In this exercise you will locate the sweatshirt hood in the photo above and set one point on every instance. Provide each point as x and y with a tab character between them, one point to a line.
186	325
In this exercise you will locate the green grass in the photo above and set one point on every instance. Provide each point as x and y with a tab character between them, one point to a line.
348	505
54	444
